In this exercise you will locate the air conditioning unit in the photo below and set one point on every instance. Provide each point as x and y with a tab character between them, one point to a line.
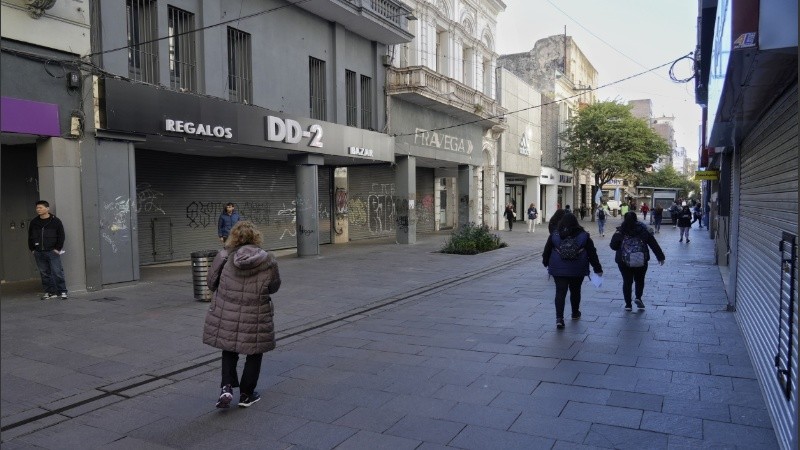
386	60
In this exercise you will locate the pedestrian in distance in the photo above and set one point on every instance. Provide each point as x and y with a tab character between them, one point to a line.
46	242
552	225
633	241
673	212
227	219
533	214
685	222
697	215
645	210
510	215
240	318
601	220
568	253
566	208
657	216
583	211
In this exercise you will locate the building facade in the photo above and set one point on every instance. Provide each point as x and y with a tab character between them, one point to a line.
746	84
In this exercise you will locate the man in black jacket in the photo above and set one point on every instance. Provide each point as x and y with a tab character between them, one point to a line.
46	242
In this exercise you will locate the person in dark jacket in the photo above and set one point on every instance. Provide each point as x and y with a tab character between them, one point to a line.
552	225
568	274
633	228
242	277
510	215
46	243
657	216
227	219
685	222
533	215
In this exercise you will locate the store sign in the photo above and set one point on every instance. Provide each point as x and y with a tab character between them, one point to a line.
565	179
290	131
197	129
358	151
706	175
524	148
442	141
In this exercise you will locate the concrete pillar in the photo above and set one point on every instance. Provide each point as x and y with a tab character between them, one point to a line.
307	219
405	196
60	184
464	184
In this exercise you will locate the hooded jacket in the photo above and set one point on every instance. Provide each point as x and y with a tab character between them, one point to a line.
641	231
558	267
240	317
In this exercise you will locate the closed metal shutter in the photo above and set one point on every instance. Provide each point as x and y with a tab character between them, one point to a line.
425	212
768	207
180	198
371	202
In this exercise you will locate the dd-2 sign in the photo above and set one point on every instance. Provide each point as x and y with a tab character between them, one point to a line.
290	132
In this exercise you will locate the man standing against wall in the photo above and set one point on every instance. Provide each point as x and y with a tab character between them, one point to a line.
46	242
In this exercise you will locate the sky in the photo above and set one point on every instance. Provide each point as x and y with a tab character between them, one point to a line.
620	38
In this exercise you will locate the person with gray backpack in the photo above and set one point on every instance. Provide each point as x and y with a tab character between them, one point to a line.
633	241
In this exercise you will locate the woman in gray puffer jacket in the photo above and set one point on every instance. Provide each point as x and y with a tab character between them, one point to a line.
242	277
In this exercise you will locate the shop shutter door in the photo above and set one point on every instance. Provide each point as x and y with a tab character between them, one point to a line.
424	204
325	203
190	191
768	207
371	202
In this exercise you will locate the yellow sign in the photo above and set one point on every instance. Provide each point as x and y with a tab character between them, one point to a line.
712	175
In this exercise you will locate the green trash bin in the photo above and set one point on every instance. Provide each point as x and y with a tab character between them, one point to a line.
201	262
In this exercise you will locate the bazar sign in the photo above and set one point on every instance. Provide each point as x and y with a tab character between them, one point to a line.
358	151
199	129
705	175
442	141
290	131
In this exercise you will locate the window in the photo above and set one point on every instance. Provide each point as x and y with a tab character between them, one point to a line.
182	55
366	102
240	67
352	100
316	72
142	47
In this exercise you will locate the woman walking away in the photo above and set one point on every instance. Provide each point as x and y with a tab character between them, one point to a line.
552	225
242	277
510	215
533	214
657	215
601	220
645	210
685	222
567	256
631	242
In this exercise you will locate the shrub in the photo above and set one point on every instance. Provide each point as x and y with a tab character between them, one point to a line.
471	239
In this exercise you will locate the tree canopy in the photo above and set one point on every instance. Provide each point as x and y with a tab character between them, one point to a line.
608	140
669	177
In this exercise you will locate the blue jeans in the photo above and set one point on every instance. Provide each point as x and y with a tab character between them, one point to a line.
51	270
601	225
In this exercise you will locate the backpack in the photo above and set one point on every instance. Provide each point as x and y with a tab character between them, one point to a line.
534	214
633	251
601	215
569	249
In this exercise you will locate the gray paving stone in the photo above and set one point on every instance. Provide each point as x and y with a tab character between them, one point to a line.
702	380
481	438
367	440
421	406
550	406
757	417
635	400
675	390
607	436
570	392
609	415
415	386
701	409
506	384
639	373
456	377
319	435
377	420
120	418
604	382
237	422
425	429
558	428
674	365
313	409
486	416
477	395
68	435
733	371
729	396
672	424
307	388
129	443
740	435
605	358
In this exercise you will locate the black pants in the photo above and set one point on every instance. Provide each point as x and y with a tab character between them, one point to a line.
252	368
573	284
510	222
629	276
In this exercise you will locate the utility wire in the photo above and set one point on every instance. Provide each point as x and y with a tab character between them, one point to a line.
548	103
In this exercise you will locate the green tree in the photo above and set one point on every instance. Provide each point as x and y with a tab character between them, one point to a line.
669	177
608	140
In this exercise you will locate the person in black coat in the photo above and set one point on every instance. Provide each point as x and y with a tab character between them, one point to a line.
569	273
552	225
685	222
631	227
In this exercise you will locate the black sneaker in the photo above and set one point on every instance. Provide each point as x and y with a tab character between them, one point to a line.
225	397
628	307
247	400
639	303
681	240
64	296
576	315
560	324
49	296
687	241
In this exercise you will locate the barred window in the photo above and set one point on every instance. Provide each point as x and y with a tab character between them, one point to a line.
366	102
240	67
142	47
316	72
182	53
352	100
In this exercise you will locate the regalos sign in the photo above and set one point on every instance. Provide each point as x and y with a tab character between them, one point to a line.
197	129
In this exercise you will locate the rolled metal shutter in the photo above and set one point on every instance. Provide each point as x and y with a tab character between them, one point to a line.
768	207
325	188
180	198
424	204
371	202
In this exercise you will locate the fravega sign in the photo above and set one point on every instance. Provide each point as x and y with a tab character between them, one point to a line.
442	141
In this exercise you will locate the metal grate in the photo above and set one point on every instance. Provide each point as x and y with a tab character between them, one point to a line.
182	53
783	359
352	100
366	102
240	67
142	47
316	75
95	34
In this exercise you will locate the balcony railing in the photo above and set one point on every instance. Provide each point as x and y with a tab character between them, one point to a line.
408	82
384	21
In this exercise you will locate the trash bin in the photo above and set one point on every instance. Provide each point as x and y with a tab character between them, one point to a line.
201	261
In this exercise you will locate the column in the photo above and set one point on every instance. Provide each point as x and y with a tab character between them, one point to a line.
307	219
464	184
405	196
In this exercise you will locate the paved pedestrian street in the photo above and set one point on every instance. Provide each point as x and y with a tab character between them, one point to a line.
386	346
